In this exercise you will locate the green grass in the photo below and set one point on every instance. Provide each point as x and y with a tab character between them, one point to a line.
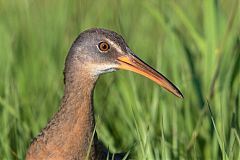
196	44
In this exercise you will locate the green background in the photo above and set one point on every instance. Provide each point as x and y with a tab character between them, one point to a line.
196	44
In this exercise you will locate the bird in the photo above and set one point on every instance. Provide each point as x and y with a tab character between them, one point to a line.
70	134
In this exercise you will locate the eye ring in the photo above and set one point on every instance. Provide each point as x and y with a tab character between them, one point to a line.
103	46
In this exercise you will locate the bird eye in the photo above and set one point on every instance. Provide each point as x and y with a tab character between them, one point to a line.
103	46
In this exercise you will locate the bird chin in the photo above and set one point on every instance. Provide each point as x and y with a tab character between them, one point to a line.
109	70
106	71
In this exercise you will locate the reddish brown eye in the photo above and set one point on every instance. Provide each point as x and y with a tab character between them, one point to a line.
103	46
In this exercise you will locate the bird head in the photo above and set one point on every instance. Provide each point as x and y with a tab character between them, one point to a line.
100	51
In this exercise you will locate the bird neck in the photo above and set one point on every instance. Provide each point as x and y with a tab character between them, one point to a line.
71	131
77	112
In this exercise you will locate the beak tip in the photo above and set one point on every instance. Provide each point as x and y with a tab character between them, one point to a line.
179	94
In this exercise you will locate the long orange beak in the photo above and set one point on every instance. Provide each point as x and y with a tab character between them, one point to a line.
133	63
